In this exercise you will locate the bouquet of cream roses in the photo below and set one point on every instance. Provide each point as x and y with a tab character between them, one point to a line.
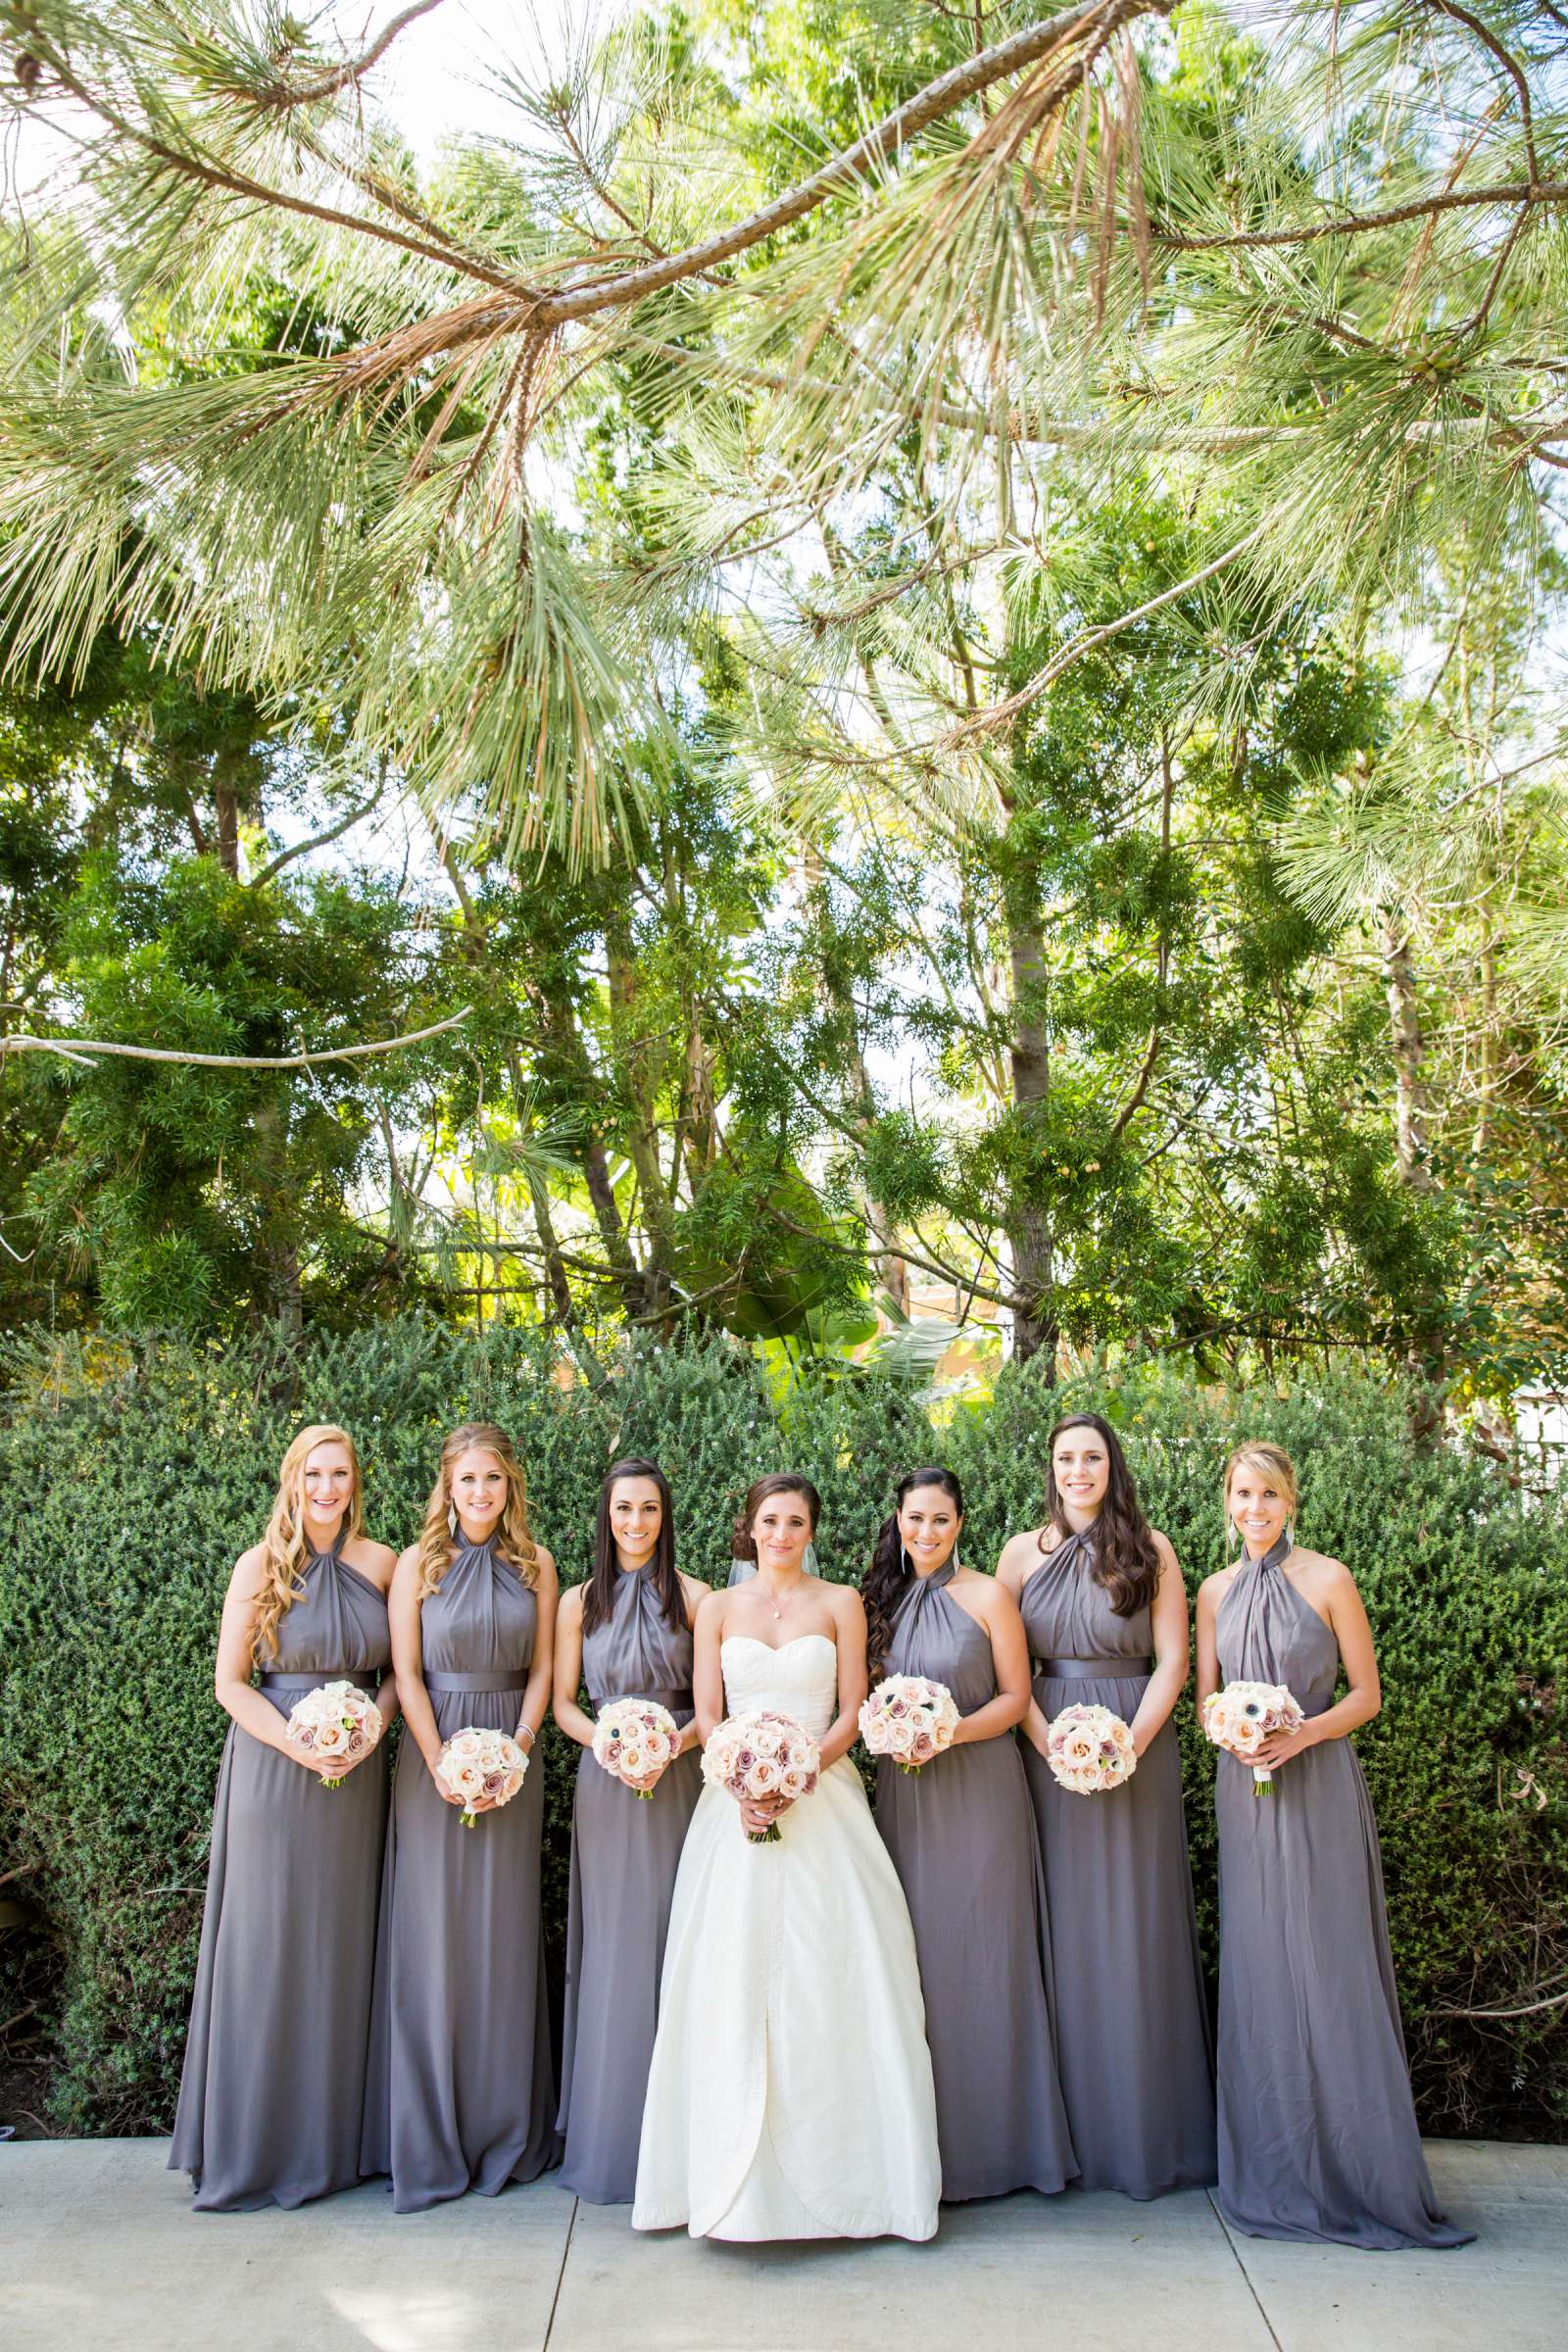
761	1755
479	1763
338	1721
1241	1716
909	1719
634	1736
1089	1750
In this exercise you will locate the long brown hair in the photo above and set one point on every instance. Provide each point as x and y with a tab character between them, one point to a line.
742	1541
1125	1561
284	1549
889	1574
513	1538
599	1593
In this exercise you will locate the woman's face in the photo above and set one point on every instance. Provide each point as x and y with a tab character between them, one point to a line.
636	1515
480	1487
930	1523
1080	1463
326	1480
781	1531
1257	1508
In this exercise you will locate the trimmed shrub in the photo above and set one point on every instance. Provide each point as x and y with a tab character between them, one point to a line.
131	1477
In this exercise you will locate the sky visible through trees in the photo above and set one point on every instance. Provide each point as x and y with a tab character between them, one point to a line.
949	633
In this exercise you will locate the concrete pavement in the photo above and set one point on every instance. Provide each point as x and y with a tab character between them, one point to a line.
98	2247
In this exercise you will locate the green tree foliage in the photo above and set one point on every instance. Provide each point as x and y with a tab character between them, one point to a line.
132	1476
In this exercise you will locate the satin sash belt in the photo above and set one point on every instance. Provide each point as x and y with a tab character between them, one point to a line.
312	1681
1091	1670
472	1684
671	1700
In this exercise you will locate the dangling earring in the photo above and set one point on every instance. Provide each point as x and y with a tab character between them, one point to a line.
452	1519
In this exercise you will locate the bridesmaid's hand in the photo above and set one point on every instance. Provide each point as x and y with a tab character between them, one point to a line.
650	1780
1280	1746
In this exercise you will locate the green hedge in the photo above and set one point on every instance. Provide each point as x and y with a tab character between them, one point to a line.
130	1479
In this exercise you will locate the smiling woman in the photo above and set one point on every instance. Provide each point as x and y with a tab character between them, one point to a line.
462	2089
272	2094
1318	2130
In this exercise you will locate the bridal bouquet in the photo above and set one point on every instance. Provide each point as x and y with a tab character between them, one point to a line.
477	1763
1241	1716
1089	1750
634	1736
339	1721
909	1719
761	1755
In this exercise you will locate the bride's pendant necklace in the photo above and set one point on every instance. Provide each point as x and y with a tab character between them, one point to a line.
771	1602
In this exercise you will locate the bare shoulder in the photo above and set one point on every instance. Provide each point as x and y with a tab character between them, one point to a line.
1212	1588
570	1605
845	1603
408	1564
372	1559
712	1606
1165	1548
245	1581
1323	1573
983	1592
695	1591
544	1559
1020	1554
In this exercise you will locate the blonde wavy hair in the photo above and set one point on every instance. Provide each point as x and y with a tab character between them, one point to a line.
284	1549
1269	1461
514	1538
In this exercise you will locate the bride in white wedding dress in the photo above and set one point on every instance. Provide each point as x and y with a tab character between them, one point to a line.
790	2093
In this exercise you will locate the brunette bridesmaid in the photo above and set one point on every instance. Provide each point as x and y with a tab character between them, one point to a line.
1106	1615
961	1835
627	1634
273	2095
1318	2130
462	2092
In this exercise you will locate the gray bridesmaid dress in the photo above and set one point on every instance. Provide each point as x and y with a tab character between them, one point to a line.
462	2091
962	1840
625	1851
1132	2021
1318	2130
272	2094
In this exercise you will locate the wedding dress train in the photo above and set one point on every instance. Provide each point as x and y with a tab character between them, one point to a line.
790	2093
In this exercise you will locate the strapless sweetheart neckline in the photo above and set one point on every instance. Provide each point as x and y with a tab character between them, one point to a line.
777	1648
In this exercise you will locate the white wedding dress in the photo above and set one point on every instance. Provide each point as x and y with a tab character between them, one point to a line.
790	2093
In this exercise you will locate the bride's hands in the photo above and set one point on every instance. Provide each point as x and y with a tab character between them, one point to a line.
758	1817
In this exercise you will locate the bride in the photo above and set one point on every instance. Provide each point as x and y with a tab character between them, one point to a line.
790	2093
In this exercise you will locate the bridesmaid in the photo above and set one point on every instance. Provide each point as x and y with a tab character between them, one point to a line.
962	1840
462	2092
627	1633
1106	1615
1318	2130
272	2099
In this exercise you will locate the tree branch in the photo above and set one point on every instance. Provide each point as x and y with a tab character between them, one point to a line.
997	714
329	85
318	841
82	1049
1360	224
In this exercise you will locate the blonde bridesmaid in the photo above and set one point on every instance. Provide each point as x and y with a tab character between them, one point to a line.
1318	2130
461	2085
272	2098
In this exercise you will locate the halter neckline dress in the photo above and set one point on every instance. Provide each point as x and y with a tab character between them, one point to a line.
625	1851
273	2092
1132	2012
961	1835
1317	2130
